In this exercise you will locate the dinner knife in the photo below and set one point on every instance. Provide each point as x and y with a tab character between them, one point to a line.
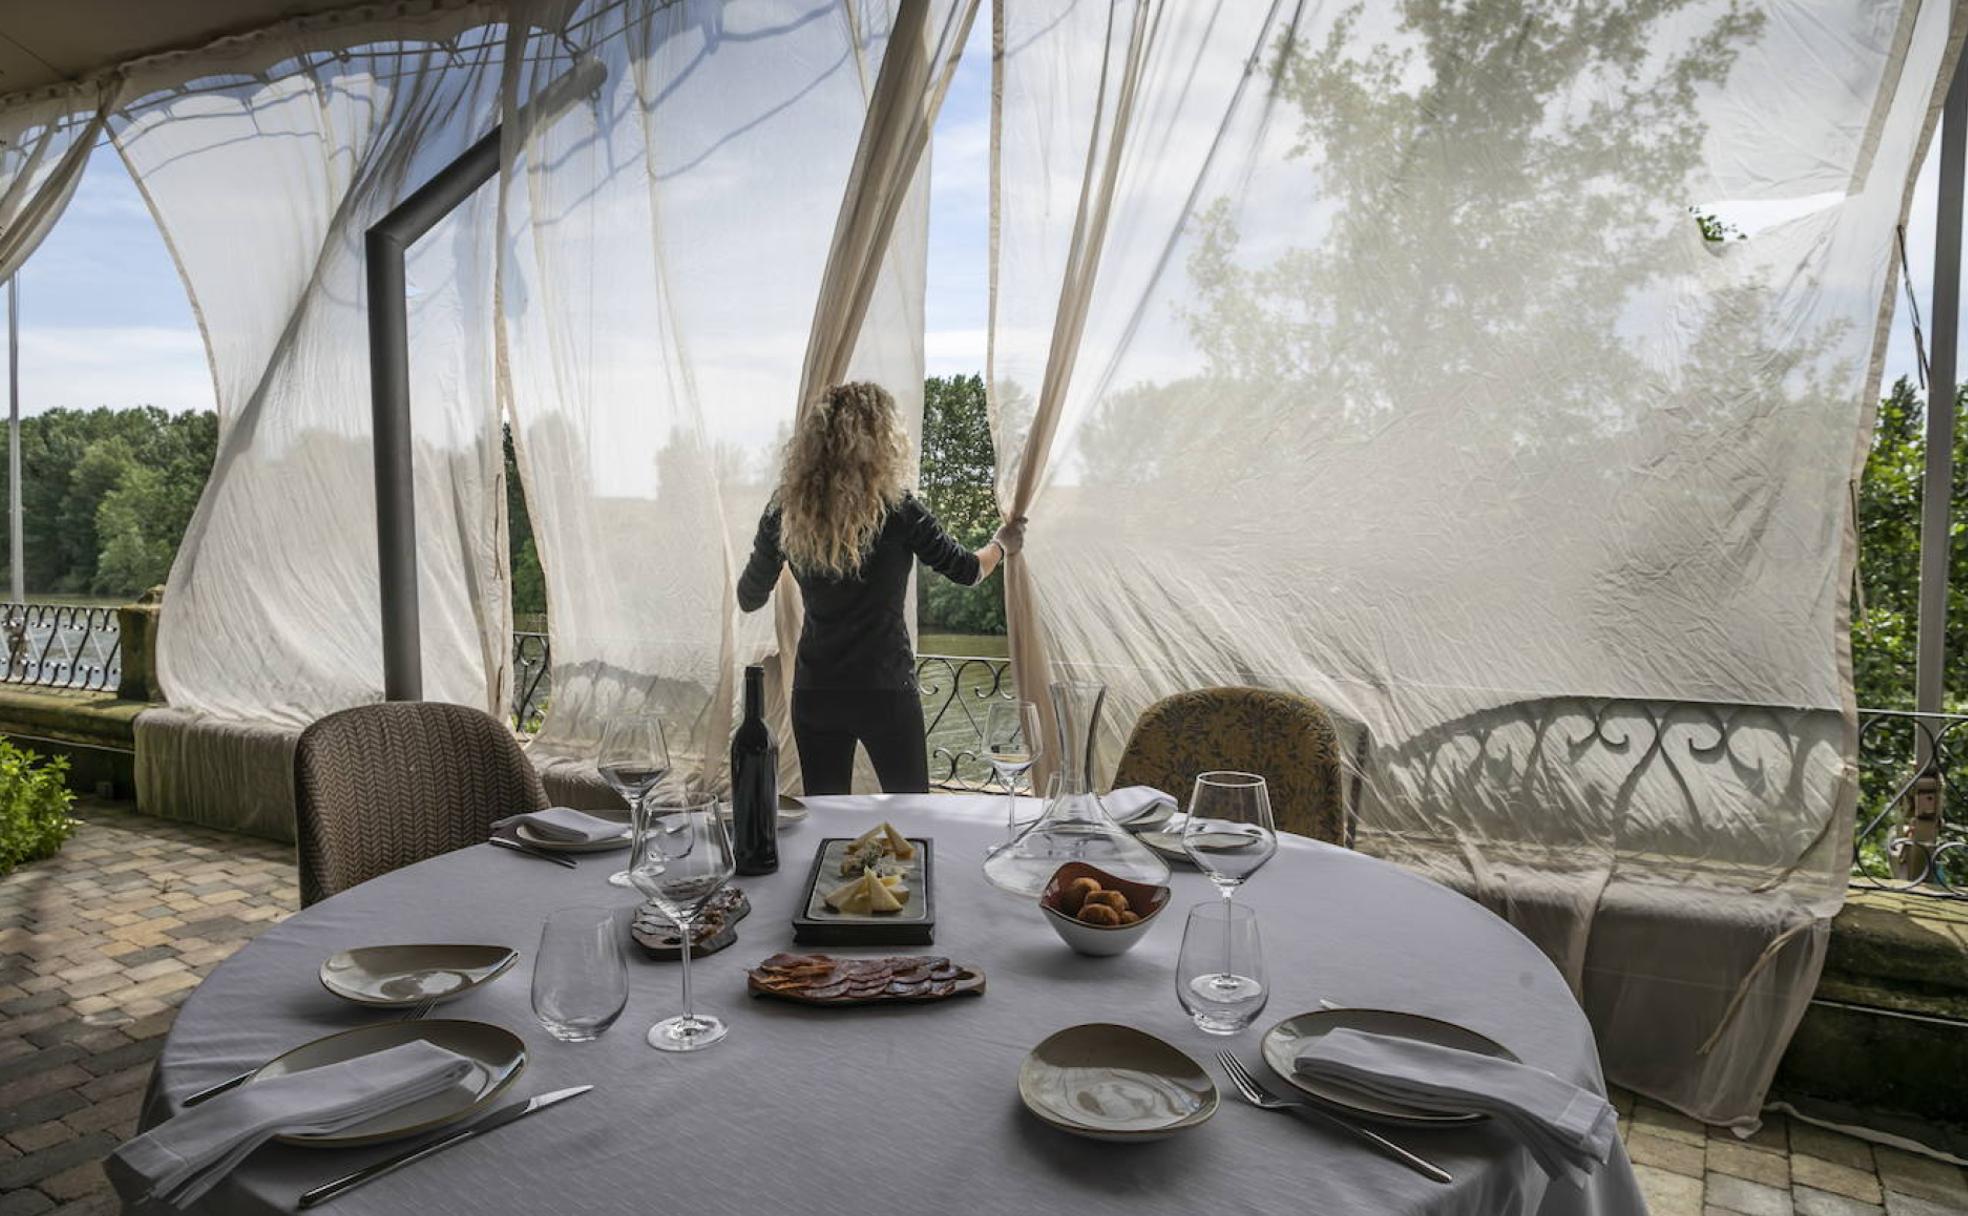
542	854
388	1165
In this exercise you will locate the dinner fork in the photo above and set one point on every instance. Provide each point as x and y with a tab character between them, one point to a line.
416	1012
1257	1096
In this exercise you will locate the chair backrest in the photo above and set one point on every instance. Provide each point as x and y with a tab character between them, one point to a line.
1282	737
378	787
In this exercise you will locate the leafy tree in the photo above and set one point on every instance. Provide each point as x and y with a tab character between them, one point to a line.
138	533
529	581
1885	625
958	468
73	462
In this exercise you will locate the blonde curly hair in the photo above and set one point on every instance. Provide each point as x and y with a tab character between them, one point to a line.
847	465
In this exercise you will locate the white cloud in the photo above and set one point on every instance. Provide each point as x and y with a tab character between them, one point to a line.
117	366
953	352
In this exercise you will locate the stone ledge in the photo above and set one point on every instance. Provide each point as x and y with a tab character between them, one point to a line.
98	718
1912	943
95	730
1884	1031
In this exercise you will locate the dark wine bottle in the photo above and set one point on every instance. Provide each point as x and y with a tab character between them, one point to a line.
755	784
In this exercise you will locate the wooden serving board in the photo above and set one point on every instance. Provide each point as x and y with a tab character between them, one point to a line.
815	924
717	927
821	979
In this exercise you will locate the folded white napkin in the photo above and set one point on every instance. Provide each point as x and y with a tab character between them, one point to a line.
183	1157
1568	1129
1134	801
566	823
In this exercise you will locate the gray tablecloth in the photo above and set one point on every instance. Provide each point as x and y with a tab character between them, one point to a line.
904	1110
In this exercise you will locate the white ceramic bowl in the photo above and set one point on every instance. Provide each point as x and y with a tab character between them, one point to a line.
1101	940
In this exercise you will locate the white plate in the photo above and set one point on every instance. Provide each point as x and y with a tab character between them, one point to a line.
497	1057
1115	1083
397	977
540	840
1283	1042
791	811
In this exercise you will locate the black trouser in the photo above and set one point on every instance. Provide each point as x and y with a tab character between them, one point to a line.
888	722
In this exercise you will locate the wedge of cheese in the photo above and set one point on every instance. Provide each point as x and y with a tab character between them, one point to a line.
870	893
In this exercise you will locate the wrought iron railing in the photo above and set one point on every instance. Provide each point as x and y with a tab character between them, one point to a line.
1911	835
72	646
532	682
1911	766
957	691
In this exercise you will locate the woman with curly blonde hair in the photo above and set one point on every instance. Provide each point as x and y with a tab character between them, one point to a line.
844	520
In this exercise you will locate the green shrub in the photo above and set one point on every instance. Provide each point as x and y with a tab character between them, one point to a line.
34	805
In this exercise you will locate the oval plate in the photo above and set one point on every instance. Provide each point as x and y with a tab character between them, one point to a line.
1283	1042
397	977
791	811
1108	1082
497	1057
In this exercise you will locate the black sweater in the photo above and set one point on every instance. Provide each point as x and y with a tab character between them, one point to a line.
855	635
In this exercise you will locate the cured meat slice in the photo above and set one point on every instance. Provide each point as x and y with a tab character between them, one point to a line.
821	979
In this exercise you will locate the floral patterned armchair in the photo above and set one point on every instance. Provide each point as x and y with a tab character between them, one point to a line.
1285	738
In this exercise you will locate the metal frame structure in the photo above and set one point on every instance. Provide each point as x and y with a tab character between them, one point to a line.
16	549
1937	487
384	247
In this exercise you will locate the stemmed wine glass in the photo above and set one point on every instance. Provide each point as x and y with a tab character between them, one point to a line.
1012	741
633	758
1229	833
680	873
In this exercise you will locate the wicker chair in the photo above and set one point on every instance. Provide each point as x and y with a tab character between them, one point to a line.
1284	738
381	786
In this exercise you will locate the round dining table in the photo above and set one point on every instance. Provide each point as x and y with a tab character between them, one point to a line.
911	1109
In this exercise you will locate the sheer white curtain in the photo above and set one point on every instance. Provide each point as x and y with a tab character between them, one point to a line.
1376	352
683	258
264	166
45	141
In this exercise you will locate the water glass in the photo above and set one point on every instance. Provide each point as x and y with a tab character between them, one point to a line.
1219	976
581	974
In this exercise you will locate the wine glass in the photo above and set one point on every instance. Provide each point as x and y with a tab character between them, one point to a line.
580	976
633	758
1011	741
681	872
1229	833
1219	976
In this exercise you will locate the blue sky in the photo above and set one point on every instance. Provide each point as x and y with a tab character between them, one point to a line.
105	320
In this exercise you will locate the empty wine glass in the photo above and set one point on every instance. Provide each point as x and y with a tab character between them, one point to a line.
633	758
580	975
1219	976
1011	741
691	863
1229	833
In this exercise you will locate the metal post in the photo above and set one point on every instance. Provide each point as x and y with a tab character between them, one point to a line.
389	372
1937	488
389	389
16	549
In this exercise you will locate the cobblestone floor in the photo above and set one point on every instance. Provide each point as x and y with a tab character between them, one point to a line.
99	944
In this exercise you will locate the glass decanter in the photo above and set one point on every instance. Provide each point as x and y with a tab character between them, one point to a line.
1074	827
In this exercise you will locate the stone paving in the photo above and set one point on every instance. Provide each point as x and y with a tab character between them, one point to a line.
99	944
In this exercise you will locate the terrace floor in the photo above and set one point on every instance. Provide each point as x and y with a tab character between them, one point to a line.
99	944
